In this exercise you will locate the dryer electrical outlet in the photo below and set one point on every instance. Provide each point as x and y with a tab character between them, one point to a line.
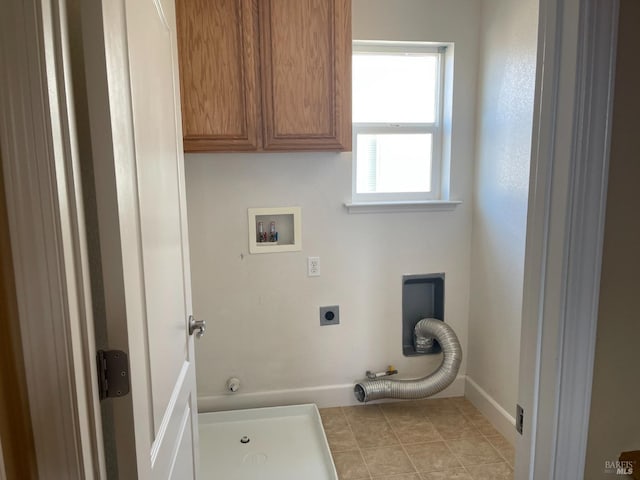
330	315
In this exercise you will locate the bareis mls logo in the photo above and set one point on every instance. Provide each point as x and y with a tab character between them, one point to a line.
618	468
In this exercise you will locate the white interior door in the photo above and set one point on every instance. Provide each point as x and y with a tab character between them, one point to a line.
139	172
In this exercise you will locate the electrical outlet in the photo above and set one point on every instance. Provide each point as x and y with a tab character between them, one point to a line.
313	266
330	315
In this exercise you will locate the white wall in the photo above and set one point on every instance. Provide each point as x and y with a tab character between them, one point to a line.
501	182
614	426
262	310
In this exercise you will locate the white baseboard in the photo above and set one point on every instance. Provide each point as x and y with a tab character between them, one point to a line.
498	416
325	396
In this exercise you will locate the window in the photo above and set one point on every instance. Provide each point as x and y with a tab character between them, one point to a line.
398	91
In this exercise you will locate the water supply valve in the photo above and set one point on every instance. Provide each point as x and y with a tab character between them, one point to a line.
389	371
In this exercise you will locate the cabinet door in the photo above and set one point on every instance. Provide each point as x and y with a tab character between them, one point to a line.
305	60
218	50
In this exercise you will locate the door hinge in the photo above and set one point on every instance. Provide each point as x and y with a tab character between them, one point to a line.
113	374
519	418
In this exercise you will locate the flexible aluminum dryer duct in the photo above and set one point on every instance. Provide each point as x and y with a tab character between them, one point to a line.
373	389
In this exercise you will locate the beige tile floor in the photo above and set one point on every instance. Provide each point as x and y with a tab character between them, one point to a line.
433	439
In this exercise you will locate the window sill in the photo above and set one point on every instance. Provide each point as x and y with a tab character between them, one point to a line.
407	206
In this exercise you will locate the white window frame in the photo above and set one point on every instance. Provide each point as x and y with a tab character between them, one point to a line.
435	128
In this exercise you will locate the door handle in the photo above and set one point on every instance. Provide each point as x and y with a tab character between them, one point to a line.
198	326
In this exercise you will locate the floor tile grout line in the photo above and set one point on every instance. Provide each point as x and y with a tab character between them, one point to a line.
483	436
467	471
504	457
452	452
446	444
426	419
488	421
346	417
485	464
401	444
492	446
486	437
491	463
504	460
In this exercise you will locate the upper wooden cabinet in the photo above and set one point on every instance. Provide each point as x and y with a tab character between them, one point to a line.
218	49
265	74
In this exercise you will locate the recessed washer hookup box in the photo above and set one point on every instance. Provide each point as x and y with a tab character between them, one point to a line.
422	297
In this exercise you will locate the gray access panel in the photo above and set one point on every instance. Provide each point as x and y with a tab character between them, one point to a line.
422	297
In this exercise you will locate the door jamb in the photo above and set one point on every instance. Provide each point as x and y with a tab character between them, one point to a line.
46	225
565	232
